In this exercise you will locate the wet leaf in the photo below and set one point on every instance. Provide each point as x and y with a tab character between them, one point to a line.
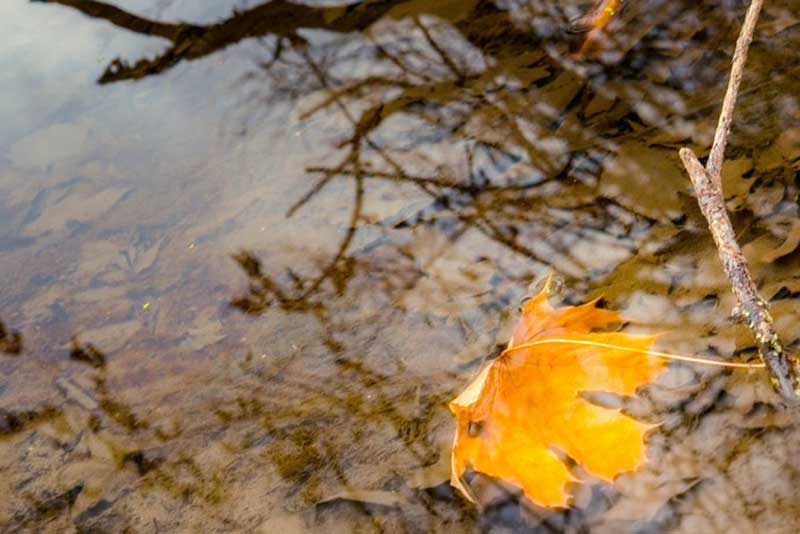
80	204
784	150
451	10
527	405
204	332
737	181
645	178
769	247
77	391
111	337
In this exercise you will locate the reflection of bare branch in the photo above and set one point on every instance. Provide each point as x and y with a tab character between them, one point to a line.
191	42
124	19
445	57
474	200
435	181
354	90
521	139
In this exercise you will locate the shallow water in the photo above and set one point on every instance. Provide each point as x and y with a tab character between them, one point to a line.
251	250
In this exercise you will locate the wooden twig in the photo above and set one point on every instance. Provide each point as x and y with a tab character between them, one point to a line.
714	164
784	371
707	182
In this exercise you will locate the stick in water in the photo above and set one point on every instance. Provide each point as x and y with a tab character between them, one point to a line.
707	181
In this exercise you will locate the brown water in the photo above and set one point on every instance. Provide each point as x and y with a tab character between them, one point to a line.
251	259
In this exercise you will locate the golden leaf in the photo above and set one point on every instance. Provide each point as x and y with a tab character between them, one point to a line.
527	403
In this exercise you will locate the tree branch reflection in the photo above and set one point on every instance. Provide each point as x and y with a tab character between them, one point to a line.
503	137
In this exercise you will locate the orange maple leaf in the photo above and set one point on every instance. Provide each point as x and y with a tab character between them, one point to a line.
527	402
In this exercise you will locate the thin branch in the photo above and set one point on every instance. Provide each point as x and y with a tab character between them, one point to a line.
714	164
707	182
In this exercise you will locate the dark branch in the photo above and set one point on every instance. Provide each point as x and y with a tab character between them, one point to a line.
190	42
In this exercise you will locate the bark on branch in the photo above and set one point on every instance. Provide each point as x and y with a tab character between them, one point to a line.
707	181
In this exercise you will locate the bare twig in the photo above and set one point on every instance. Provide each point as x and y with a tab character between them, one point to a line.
707	182
752	307
714	164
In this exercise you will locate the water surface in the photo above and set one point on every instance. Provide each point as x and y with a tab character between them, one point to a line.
249	250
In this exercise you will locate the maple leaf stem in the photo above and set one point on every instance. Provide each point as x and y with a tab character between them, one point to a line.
648	352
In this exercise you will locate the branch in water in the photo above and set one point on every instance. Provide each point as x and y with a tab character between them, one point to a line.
707	182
